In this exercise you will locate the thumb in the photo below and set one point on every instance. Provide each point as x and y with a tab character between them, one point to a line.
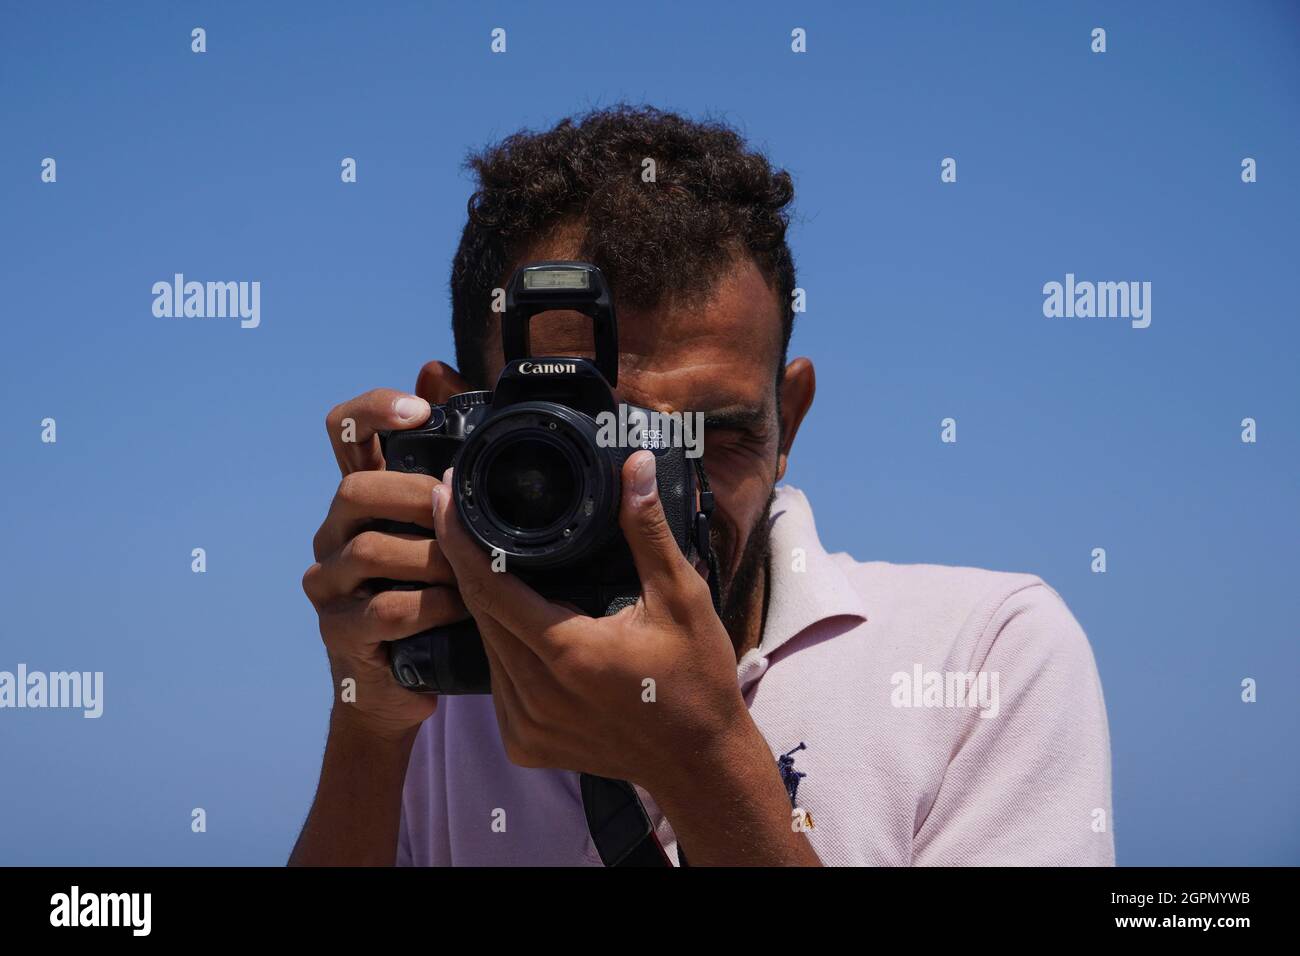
660	564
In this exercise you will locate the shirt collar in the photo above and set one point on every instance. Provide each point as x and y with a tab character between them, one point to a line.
807	584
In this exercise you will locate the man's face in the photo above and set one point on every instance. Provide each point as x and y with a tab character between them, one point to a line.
718	357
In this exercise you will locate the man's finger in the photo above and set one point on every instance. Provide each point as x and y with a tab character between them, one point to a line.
374	554
366	495
498	594
515	659
353	425
660	563
392	615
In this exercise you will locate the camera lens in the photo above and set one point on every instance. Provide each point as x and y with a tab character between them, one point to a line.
530	484
534	483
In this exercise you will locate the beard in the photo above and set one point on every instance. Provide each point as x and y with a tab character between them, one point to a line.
739	587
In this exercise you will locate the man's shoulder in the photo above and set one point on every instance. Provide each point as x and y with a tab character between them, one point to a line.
926	604
939	590
967	612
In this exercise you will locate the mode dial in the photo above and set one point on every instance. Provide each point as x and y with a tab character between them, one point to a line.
467	400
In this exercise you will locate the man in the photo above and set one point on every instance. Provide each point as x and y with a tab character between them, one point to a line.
835	712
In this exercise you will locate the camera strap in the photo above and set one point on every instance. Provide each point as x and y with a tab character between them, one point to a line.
703	545
618	823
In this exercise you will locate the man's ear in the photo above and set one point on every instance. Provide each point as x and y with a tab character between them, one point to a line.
798	385
438	382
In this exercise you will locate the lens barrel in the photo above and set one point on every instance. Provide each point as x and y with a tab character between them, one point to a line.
532	483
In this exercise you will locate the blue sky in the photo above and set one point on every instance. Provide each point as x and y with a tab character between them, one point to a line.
924	301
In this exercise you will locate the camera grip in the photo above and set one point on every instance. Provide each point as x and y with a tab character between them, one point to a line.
442	660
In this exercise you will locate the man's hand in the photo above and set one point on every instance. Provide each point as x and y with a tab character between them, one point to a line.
648	694
355	621
355	817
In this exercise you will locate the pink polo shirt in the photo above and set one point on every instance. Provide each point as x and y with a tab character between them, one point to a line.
947	716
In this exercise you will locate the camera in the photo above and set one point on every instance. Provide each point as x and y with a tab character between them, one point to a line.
536	482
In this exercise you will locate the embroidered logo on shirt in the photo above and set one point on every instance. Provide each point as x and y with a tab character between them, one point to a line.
802	819
789	776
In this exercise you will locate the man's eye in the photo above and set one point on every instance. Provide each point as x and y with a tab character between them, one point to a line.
728	438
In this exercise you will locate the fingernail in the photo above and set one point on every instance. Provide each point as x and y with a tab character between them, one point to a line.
438	492
409	408
643	479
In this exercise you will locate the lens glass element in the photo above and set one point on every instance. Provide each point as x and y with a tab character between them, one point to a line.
530	484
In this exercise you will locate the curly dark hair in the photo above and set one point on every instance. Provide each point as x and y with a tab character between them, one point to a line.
712	200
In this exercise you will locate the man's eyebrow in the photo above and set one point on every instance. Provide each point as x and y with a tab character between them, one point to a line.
737	418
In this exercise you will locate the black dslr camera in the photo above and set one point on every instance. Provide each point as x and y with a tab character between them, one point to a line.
533	483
